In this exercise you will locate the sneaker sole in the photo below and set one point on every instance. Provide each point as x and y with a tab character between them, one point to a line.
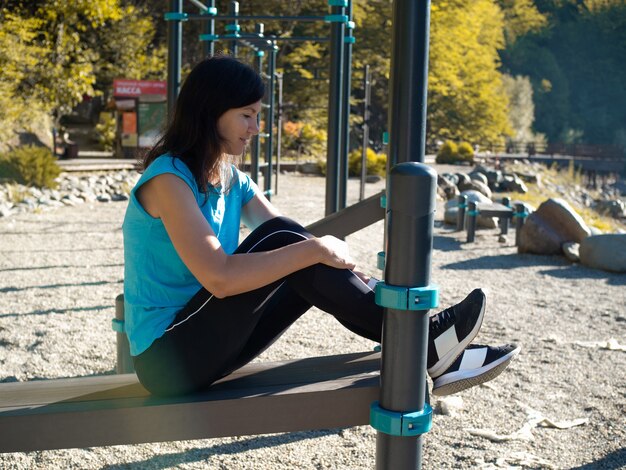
446	361
459	381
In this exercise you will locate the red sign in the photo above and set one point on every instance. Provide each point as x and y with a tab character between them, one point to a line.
134	88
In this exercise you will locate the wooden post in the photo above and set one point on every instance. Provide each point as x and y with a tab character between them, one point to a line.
124	361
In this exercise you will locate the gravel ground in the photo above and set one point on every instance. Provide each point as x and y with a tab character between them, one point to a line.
61	270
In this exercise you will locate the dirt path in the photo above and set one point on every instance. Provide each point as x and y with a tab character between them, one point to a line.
60	272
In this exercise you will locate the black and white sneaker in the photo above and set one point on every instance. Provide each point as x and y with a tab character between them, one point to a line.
452	329
478	364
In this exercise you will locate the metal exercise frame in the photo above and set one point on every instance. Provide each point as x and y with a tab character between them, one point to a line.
402	414
340	48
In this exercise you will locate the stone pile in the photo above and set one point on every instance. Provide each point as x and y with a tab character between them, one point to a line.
72	189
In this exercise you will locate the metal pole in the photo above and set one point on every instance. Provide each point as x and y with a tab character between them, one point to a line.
234	28
409	80
256	142
279	127
334	112
460	215
269	150
345	121
174	56
411	209
209	28
366	127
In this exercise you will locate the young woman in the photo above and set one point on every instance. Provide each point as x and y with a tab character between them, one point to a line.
199	304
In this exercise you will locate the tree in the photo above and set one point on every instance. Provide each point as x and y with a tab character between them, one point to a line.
466	97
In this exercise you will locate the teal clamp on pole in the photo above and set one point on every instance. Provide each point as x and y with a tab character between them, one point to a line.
349	40
338	3
396	423
209	37
118	325
233	27
383	201
268	193
210	11
407	298
336	18
472	213
175	16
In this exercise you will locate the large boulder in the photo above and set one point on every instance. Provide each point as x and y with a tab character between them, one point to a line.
606	252
551	225
451	210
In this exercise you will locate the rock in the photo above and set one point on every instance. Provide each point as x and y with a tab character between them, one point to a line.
551	225
479	177
494	177
502	238
613	207
373	178
451	210
479	186
606	252
513	183
571	251
447	188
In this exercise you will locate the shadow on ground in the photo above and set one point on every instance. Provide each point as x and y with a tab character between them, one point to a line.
612	461
199	455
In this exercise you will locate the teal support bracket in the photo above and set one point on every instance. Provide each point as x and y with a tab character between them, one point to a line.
260	53
336	18
175	16
338	3
118	325
406	298
349	40
383	201
521	215
350	25
209	37
380	260
378	348
385	138
210	11
232	27
231	36
397	423
471	213
268	192
462	206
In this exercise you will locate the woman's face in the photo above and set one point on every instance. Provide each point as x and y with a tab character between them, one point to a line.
236	126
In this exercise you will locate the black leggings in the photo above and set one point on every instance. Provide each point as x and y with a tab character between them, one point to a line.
211	337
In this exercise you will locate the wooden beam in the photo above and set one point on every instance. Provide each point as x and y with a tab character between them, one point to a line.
351	219
304	394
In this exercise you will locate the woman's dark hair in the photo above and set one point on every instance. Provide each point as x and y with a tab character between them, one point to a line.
214	86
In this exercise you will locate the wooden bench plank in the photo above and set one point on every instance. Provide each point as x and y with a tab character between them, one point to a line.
306	394
494	209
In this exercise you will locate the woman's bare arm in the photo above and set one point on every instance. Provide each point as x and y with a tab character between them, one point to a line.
169	198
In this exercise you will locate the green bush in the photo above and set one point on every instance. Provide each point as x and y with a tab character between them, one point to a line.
105	131
376	162
466	152
450	152
31	166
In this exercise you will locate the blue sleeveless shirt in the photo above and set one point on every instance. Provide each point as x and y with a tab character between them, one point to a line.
157	284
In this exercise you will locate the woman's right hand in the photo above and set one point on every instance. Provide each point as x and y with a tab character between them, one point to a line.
335	253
